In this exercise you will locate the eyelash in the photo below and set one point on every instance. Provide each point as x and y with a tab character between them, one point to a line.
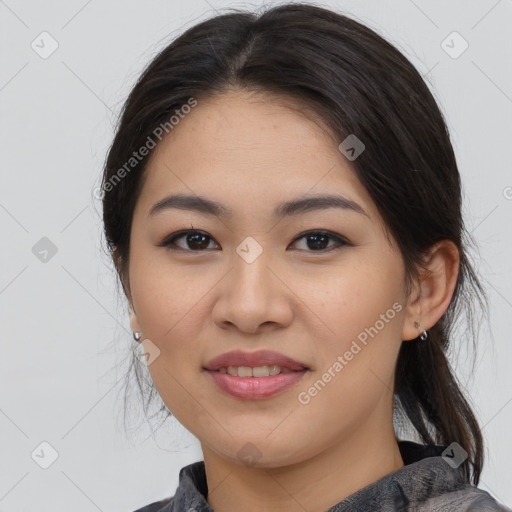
170	240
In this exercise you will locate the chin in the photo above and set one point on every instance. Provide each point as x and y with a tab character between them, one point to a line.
262	453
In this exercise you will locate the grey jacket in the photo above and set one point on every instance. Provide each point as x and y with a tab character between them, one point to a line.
426	483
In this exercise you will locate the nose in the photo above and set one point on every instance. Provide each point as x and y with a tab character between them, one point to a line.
253	297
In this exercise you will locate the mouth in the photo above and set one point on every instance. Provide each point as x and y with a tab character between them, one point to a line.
256	375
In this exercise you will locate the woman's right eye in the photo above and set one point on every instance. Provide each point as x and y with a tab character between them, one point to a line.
194	240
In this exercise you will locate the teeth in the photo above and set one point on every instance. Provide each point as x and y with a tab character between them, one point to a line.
244	371
232	370
260	371
257	371
274	370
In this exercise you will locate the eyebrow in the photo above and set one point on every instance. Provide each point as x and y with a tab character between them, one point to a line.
286	209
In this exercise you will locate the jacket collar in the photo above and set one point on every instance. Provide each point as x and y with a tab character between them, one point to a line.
425	474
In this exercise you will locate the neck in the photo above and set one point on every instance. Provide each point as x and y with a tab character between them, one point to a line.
314	485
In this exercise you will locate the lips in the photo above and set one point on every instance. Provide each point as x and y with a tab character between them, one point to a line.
254	359
281	372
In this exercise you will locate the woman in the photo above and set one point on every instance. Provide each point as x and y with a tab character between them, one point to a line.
283	207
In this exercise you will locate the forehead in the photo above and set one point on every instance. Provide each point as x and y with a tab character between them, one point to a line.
253	150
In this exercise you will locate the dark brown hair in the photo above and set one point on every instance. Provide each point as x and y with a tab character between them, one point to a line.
357	83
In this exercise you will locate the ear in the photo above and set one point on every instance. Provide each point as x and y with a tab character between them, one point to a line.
431	296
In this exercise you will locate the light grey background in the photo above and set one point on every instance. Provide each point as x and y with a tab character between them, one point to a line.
65	335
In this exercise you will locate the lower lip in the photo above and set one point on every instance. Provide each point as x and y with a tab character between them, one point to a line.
255	388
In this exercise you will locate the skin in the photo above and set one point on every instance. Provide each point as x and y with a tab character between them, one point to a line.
250	152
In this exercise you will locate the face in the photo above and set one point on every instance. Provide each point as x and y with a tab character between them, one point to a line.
319	284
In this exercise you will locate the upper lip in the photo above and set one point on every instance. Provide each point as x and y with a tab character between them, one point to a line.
260	358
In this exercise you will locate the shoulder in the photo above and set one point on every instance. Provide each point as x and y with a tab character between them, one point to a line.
157	506
467	499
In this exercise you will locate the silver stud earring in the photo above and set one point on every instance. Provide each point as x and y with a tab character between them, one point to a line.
137	336
424	334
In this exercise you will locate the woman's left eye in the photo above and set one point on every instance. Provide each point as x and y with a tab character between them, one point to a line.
318	241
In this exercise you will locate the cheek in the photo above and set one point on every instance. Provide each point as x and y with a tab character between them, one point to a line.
364	316
167	297
358	299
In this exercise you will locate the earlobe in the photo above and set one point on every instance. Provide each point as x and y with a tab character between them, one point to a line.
433	293
412	318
